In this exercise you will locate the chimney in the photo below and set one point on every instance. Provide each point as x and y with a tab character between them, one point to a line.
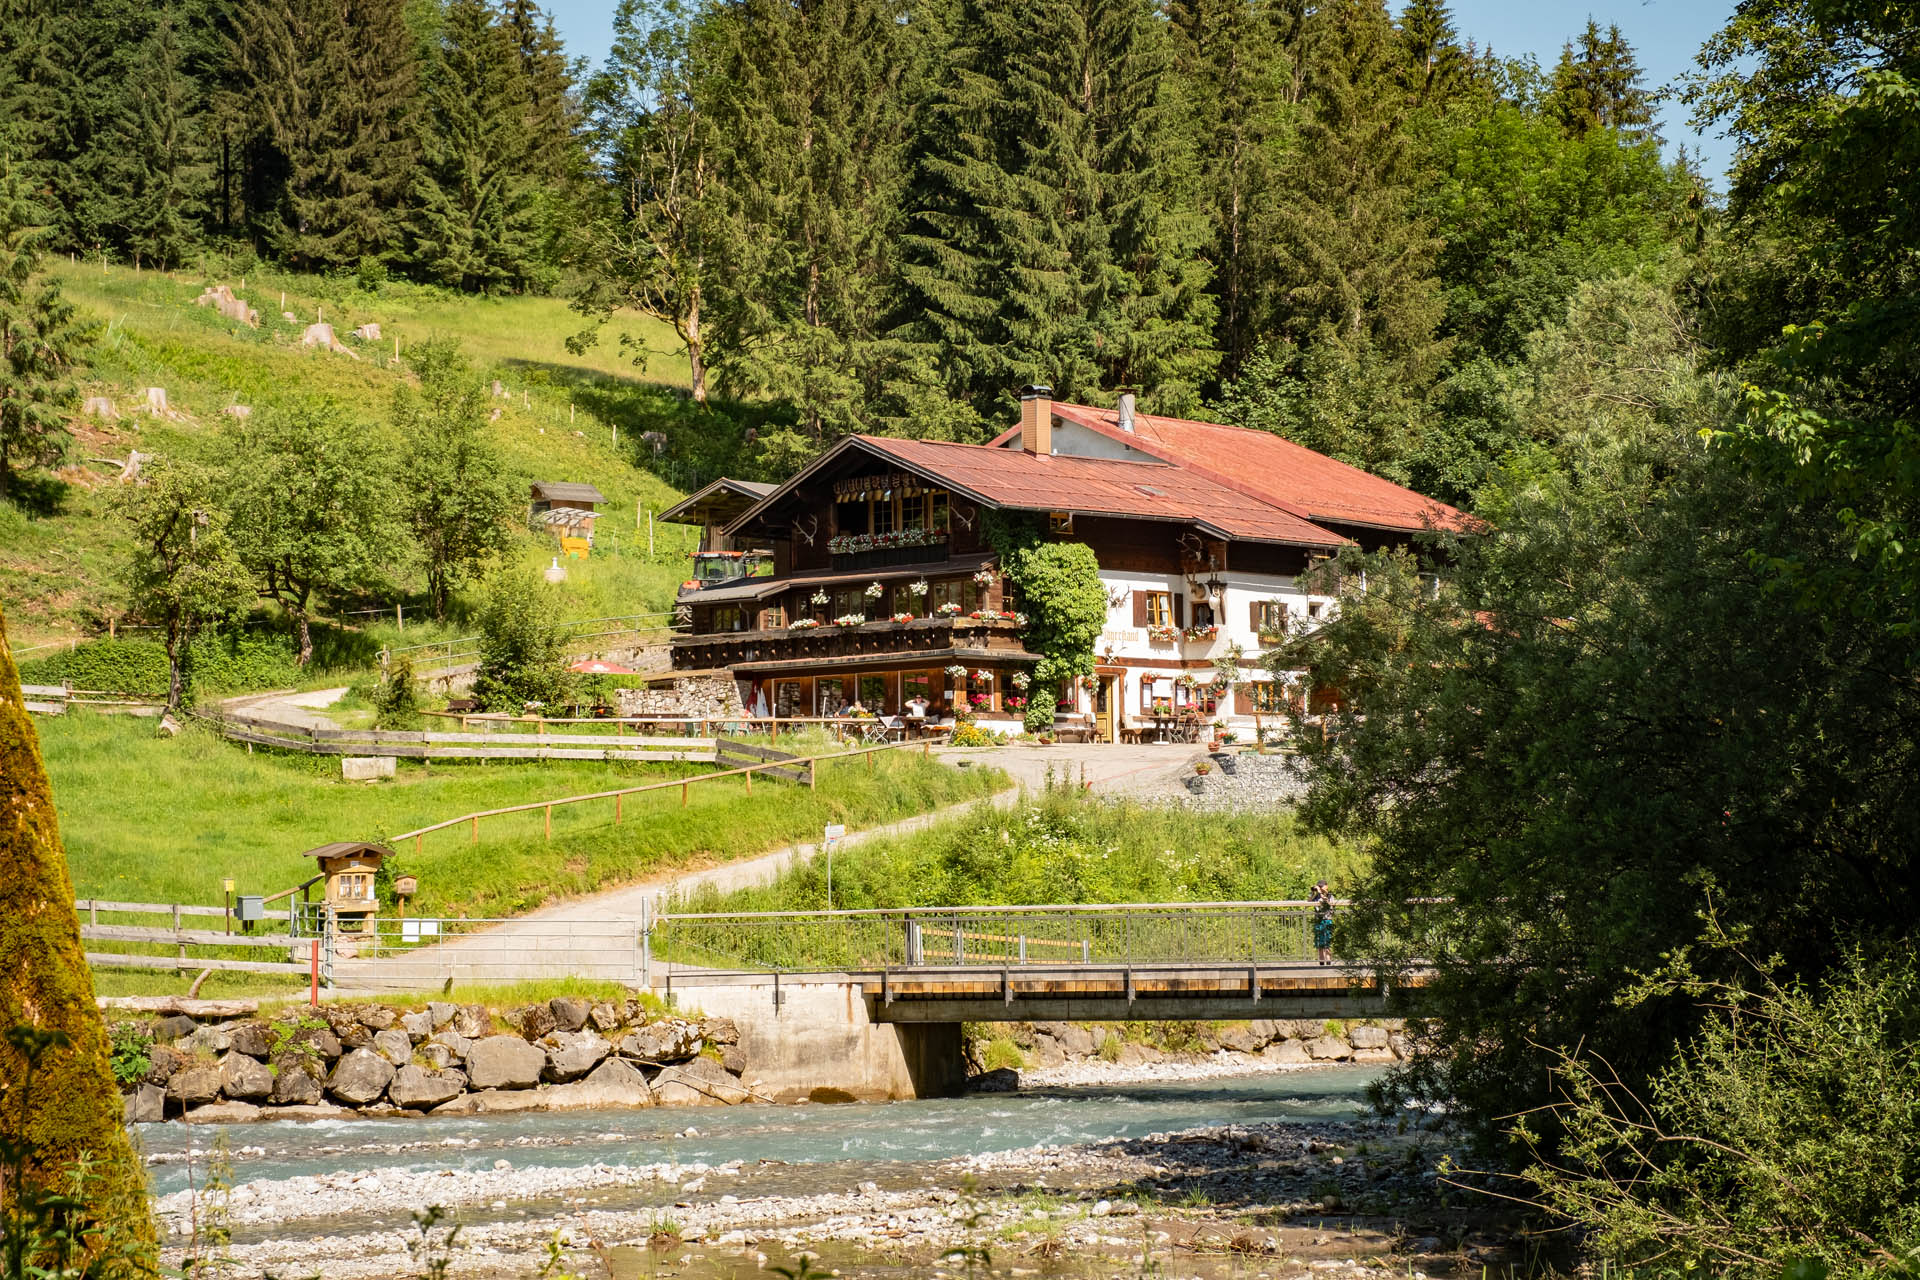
1036	420
1126	412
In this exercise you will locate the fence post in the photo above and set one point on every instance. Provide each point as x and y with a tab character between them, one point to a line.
683	794
313	988
749	779
549	824
617	798
476	830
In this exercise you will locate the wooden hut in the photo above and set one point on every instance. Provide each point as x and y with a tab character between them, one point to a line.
350	867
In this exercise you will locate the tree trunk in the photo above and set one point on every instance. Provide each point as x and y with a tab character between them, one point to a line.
176	641
696	347
305	635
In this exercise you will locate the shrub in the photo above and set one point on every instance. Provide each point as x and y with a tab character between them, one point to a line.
1040	713
971	735
396	702
523	656
1003	1052
129	1052
114	666
238	661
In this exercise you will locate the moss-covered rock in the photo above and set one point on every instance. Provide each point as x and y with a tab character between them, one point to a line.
74	1108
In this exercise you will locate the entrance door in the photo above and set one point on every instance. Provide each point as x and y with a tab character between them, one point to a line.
1103	710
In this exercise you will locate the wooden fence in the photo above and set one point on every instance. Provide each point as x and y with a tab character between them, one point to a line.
797	768
54	699
729	753
181	940
632	748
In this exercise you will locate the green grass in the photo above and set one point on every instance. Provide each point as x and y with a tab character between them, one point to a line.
60	550
153	819
1061	848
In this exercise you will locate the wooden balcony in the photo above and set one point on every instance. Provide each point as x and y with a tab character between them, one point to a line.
924	642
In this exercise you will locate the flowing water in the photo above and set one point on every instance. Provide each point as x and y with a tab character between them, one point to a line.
819	1147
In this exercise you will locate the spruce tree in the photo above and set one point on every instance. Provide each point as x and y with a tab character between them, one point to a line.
72	1109
40	102
1596	84
333	83
162	172
473	222
42	339
555	127
1436	66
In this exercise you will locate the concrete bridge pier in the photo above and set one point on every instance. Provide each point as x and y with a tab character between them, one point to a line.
817	1040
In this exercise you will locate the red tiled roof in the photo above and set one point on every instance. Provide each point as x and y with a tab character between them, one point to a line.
1104	486
1269	467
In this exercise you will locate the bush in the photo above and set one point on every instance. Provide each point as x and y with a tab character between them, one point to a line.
1040	713
523	657
129	1053
238	661
1003	1052
396	702
113	666
971	735
1784	1140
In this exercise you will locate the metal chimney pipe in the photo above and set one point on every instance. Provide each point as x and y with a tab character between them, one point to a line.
1126	412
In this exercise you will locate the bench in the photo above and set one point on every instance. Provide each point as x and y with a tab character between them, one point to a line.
1072	726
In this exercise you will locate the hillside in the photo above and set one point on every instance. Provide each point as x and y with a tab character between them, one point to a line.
60	551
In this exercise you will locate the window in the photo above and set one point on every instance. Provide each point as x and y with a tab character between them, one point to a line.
1151	693
937	512
913	510
829	696
960	591
1200	697
1060	522
873	694
848	600
789	698
1270	618
915	684
1202	616
728	617
980	693
1159	608
886	511
355	887
850	517
1266	697
1313	609
773	617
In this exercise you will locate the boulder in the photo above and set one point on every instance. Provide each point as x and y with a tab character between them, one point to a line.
251	1038
1075	1041
367	768
1367	1037
1299	1028
440	1012
492	1102
395	1045
167	1030
505	1062
296	1080
437	1056
321	1039
662	1042
571	1054
1286	1051
418	1026
162	1061
569	1012
1373	1055
1263	1030
416	1088
1400	1046
1099	1035
223	1113
720	1031
309	1111
453	1042
1046	1052
320	334
699	1082
377	1017
734	1059
1239	1038
213	1040
534	1020
604	1016
245	1078
473	1021
999	1080
1329	1049
147	1104
612	1084
360	1077
193	1085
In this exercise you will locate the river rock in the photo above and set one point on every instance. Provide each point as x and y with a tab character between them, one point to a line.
1046	1051
309	1111
191	1086
453	1042
612	1084
569	1012
440	1012
505	1062
1074	1041
1329	1049
296	1080
571	1054
699	1082
223	1113
245	1078
1373	1055
534	1020
167	1030
1367	1037
671	1041
162	1061
1263	1030
417	1088
473	1021
1286	1051
493	1102
418	1026
604	1016
734	1059
147	1104
1239	1038
378	1017
1300	1028
360	1077
436	1056
322	1039
999	1080
214	1040
720	1031
1398	1043
395	1045
251	1038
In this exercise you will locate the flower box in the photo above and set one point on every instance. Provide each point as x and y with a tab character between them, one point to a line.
1163	635
803	624
903	618
948	610
850	620
846	544
1201	633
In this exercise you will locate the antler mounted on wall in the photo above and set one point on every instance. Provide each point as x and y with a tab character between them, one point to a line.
809	531
964	516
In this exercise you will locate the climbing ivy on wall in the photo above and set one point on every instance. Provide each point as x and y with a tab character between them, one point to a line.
1066	607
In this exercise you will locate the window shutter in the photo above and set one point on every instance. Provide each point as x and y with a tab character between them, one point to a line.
1139	608
1179	609
1253	615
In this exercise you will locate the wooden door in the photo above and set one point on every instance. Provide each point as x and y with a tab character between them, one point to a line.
1103	710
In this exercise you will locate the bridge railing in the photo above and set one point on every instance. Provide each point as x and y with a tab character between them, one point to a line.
1226	933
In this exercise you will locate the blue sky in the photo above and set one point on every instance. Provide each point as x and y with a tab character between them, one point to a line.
1666	34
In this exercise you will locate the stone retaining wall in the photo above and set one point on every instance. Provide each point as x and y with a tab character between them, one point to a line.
442	1058
703	696
1299	1041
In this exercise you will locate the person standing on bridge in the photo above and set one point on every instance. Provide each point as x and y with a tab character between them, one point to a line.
1323	921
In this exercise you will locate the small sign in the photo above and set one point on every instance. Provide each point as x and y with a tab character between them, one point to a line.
835	830
575	548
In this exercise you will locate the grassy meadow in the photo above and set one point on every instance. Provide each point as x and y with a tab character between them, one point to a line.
148	818
60	551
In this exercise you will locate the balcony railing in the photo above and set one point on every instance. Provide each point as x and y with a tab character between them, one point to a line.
869	639
886	557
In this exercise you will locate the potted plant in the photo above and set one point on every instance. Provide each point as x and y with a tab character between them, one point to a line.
1202	767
